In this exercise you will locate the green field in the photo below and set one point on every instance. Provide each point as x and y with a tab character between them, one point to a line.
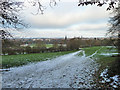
49	45
35	45
99	57
17	60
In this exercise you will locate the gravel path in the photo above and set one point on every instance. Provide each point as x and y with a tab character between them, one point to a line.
62	72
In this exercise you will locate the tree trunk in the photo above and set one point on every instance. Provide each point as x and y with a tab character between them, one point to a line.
119	43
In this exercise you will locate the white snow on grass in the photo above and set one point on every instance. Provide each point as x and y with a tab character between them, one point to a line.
104	73
114	81
108	54
94	53
111	46
62	72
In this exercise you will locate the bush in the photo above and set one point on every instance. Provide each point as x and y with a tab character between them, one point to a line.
28	49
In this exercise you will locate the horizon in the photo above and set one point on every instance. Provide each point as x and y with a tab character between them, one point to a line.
55	37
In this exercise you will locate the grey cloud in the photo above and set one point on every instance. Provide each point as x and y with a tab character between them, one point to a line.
66	19
88	27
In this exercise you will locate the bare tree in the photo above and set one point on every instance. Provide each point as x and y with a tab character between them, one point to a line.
115	25
114	21
9	17
100	3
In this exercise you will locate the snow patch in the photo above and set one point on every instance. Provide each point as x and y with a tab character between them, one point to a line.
108	54
114	81
104	73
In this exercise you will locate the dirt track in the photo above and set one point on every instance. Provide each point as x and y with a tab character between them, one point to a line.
62	72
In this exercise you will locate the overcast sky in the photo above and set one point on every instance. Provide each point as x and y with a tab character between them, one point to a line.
65	19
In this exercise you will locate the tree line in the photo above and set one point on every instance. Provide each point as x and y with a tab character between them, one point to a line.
13	47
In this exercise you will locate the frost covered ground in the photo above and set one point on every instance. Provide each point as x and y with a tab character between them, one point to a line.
114	81
62	72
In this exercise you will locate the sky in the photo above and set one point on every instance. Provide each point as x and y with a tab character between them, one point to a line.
64	19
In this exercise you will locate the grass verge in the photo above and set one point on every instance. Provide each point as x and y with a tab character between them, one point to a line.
102	56
105	59
18	60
